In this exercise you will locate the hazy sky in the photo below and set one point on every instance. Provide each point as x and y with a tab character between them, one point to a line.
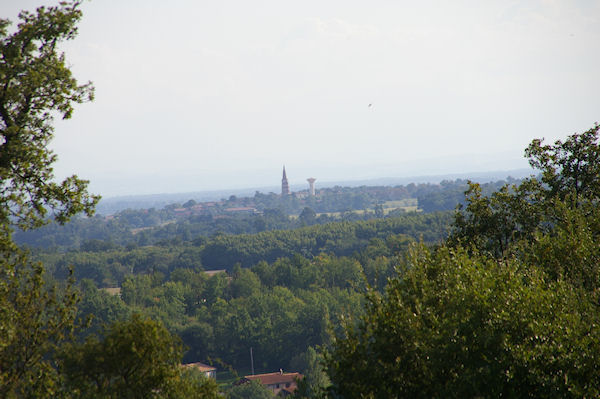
200	95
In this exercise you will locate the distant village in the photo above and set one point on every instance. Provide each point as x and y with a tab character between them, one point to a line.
193	208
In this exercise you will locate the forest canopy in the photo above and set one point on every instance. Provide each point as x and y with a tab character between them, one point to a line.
507	307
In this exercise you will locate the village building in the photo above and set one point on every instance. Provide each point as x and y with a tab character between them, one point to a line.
280	383
208	371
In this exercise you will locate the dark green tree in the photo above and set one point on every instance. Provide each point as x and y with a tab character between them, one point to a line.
455	325
33	321
35	84
493	223
315	382
136	358
191	384
244	283
572	166
250	390
307	216
570	174
515	315
567	249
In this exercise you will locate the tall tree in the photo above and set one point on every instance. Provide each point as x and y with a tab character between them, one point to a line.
33	320
136	358
315	382
572	166
35	84
570	174
515	315
459	325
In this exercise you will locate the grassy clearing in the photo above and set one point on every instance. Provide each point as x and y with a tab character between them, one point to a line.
136	230
408	205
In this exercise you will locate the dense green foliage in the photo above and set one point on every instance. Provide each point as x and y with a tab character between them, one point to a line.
279	309
33	321
463	326
278	303
136	358
339	238
508	308
109	266
37	319
520	212
250	390
35	84
315	382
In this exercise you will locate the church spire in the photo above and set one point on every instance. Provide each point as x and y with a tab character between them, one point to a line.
285	187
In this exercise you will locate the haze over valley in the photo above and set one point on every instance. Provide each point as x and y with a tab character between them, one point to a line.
196	96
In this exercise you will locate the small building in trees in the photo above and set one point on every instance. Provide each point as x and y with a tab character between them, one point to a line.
208	371
280	383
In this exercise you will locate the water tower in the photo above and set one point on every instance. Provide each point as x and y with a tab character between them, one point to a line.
311	183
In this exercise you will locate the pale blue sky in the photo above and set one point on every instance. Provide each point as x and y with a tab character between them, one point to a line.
201	95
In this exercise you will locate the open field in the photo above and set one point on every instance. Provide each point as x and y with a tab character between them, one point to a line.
408	205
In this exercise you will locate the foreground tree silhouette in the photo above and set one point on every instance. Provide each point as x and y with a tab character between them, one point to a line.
459	325
34	319
571	167
35	85
570	176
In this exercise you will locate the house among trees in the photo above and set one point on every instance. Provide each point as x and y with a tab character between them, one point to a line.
280	383
208	371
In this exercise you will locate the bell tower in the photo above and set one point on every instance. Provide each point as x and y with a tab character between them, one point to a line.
285	187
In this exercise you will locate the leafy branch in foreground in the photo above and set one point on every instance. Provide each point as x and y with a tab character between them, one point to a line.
35	85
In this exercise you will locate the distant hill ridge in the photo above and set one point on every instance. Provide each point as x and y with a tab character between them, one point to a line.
111	205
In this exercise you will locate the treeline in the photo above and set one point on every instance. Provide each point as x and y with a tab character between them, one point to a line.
178	223
341	238
108	265
280	308
279	294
